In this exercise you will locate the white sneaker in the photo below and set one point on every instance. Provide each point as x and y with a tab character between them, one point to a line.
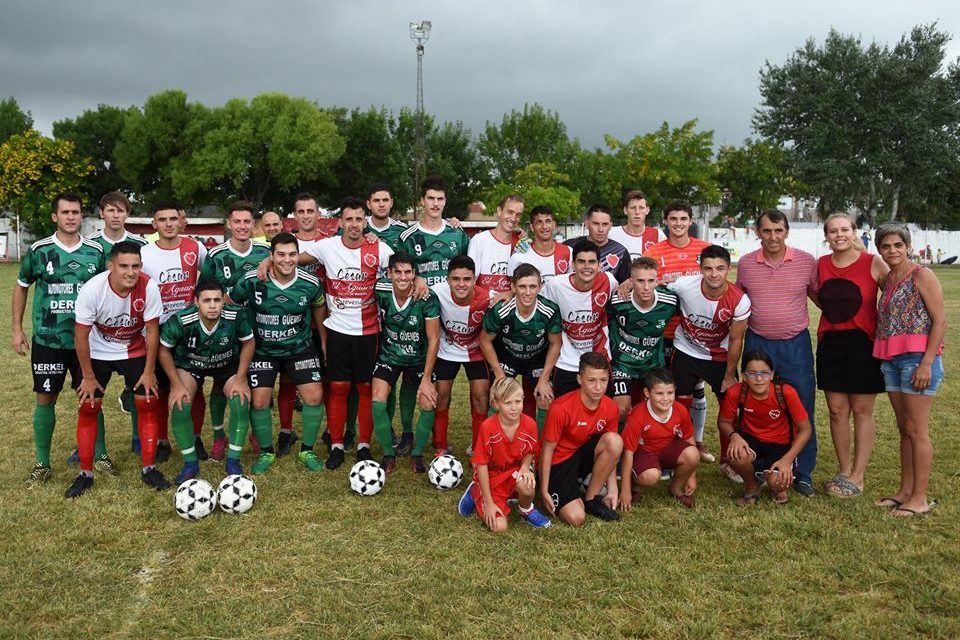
732	476
705	456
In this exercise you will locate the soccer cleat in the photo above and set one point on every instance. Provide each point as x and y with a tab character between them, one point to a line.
310	460
467	506
389	464
126	401
363	453
705	456
74	458
164	450
154	479
233	467
599	509
416	464
80	484
104	464
335	459
727	471
219	449
135	447
536	519
39	475
405	445
263	463
198	445
284	441
189	471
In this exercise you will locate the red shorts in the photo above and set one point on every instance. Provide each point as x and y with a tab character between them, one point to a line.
501	493
666	458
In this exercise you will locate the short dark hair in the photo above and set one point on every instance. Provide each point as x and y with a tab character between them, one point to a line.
117	199
715	251
283	238
163	205
678	205
378	186
774	216
66	196
462	262
240	205
599	207
401	258
525	270
585	246
124	246
433	182
350	202
658	376
643	262
757	354
633	194
541	210
207	284
304	195
593	360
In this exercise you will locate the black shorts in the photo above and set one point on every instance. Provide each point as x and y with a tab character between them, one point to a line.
302	368
565	477
50	367
390	373
351	358
566	381
668	349
219	376
131	370
448	370
532	368
625	384
688	371
845	363
767	452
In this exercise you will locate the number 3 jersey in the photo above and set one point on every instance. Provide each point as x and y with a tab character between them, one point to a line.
403	340
59	273
117	322
198	350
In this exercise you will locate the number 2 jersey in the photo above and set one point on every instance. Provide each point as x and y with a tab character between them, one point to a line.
197	350
117	322
175	271
403	341
584	317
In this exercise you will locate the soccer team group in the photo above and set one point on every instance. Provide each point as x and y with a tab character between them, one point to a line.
614	336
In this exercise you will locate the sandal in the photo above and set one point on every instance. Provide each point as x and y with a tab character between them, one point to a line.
843	488
687	501
781	498
887	503
748	499
904	512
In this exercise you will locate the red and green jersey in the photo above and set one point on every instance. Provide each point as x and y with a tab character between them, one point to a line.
404	327
522	338
198	350
434	250
280	313
226	265
636	335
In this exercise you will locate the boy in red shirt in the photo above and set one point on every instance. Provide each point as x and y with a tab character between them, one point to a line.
580	438
771	426
659	435
503	462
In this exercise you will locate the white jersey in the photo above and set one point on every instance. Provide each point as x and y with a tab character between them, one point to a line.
584	316
637	245
117	323
558	263
461	324
350	276
491	257
175	271
704	330
314	268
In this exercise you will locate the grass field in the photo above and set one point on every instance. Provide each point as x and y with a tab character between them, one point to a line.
314	560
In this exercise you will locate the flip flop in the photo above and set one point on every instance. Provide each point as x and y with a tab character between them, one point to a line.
887	503
748	499
904	512
781	498
843	488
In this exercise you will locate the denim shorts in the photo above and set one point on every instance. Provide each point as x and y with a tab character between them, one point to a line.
898	374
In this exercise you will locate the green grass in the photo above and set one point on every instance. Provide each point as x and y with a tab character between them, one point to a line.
312	559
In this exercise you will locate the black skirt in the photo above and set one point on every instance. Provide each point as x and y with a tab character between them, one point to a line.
845	363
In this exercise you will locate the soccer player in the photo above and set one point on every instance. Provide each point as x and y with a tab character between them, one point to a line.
766	425
613	256
678	256
636	236
658	437
503	462
352	267
117	331
207	340
462	305
551	258
637	322
410	341
59	265
431	240
709	340
521	336
582	298
491	249
580	439
281	307
380	205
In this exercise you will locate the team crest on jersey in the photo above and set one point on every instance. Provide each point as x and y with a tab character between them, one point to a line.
677	431
683	256
190	258
73	265
774	414
282	298
477	316
224	341
91	268
600	298
412	320
370	260
612	260
302	301
562	266
661	324
601	424
139	304
724	315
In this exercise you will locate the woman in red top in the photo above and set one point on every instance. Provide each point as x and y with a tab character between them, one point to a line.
846	369
770	428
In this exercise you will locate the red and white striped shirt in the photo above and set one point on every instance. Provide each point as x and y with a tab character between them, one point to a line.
461	323
117	322
549	265
175	272
778	293
491	256
704	323
584	317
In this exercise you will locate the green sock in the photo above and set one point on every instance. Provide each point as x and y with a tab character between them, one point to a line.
423	432
182	426
408	402
392	403
218	407
312	418
239	424
100	445
541	419
381	426
44	420
262	422
353	403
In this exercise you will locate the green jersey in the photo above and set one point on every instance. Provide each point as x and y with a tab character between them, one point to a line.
403	340
522	339
107	243
226	265
197	350
279	313
434	250
391	235
59	272
636	335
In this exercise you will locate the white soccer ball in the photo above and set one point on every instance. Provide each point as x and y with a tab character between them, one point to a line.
195	499
585	482
237	494
445	472
367	478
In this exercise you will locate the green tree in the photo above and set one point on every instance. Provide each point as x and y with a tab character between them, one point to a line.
753	177
539	183
525	137
34	169
13	120
372	154
95	134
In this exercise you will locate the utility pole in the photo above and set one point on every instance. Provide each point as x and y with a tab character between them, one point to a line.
419	33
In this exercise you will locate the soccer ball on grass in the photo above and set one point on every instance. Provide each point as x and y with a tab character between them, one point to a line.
445	472
367	478
237	494
195	499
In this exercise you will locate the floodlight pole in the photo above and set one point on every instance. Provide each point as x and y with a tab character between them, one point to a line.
419	33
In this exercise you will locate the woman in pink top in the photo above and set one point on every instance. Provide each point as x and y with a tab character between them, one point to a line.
911	324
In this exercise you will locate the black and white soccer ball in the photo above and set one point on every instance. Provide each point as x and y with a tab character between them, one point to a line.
585	482
237	494
445	472
367	478
195	499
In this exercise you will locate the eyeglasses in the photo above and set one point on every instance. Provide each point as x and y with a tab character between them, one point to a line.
758	375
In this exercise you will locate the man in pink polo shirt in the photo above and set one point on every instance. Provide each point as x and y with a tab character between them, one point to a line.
779	279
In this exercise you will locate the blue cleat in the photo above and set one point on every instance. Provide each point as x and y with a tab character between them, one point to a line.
536	519
467	506
233	467
190	470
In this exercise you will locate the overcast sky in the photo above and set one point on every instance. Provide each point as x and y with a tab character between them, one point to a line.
607	67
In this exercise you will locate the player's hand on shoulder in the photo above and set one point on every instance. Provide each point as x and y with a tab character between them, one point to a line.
263	268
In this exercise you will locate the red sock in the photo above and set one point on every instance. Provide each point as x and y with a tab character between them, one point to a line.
365	412
724	443
337	410
163	416
87	432
476	419
440	425
529	400
285	399
197	411
148	414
